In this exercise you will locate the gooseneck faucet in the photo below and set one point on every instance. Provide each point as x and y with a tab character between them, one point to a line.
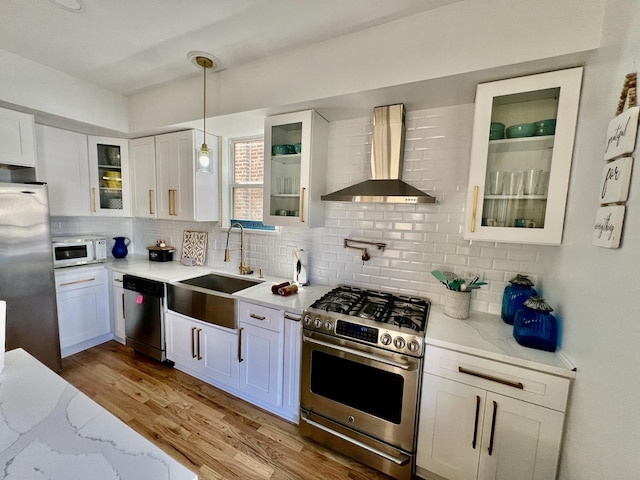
244	269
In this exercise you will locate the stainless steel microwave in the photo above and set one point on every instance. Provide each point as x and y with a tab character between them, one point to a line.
78	250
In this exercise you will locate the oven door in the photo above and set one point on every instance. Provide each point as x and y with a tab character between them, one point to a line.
366	389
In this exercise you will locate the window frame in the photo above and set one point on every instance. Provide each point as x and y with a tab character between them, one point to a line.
252	225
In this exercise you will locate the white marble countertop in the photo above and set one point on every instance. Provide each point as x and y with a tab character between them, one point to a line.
486	335
49	429
294	303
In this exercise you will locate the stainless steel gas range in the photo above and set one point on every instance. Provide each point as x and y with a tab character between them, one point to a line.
362	363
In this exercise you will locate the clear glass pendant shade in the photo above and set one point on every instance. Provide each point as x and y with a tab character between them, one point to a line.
204	159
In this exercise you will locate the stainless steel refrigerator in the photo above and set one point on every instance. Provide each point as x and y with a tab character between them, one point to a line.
27	281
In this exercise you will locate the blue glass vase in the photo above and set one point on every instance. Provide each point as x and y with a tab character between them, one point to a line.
515	294
535	327
120	247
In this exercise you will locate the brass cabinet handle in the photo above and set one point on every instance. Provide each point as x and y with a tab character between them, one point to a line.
93	199
474	209
475	425
84	280
117	280
288	316
240	359
302	204
150	202
257	317
199	339
175	202
171	212
193	342
493	427
509	383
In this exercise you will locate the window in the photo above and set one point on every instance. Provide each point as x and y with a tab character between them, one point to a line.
247	183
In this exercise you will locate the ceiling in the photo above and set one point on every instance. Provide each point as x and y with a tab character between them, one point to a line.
130	45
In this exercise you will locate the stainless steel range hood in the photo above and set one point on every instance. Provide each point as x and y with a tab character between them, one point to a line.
387	155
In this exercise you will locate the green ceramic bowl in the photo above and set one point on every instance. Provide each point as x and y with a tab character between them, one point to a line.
520	130
545	127
282	149
496	131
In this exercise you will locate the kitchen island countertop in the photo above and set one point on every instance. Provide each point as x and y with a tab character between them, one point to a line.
49	429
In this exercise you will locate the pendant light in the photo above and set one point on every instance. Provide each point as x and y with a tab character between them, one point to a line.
203	154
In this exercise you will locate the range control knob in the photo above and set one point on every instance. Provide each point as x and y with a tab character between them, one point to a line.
308	320
385	339
318	323
328	325
414	346
399	342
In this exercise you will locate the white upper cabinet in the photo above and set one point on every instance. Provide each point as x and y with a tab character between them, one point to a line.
295	178
64	165
166	182
17	139
109	176
142	157
518	177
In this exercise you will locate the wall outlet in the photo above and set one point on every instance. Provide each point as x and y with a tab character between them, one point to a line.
471	274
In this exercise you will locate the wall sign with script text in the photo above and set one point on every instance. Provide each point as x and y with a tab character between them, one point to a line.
607	230
614	184
616	174
621	134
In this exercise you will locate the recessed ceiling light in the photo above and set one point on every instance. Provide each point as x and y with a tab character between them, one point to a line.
73	6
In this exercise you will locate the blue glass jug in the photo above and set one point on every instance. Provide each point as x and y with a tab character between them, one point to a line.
515	295
120	247
535	327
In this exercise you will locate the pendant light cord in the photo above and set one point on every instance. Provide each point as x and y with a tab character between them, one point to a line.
204	102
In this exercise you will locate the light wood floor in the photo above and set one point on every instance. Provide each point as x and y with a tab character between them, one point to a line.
216	435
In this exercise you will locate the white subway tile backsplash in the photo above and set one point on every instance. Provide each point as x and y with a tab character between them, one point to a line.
419	238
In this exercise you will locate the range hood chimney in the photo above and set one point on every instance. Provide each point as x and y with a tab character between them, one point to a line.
387	155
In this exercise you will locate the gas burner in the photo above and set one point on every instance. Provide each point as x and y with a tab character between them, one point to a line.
401	321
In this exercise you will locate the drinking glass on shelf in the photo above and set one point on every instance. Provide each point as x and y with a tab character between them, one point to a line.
543	184
287	184
531	181
513	183
295	185
496	182
279	185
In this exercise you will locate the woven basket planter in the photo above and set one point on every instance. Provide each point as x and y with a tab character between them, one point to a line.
456	304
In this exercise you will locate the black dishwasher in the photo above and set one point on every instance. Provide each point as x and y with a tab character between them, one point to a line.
144	323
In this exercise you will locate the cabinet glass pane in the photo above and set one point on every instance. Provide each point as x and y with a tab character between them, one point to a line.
110	172
519	159
285	169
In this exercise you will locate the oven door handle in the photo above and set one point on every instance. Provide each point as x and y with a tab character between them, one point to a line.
375	358
401	460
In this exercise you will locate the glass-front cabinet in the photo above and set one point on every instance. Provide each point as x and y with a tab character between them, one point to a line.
521	157
295	169
109	176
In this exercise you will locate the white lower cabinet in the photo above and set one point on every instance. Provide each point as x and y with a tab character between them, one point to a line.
475	423
261	331
83	308
205	351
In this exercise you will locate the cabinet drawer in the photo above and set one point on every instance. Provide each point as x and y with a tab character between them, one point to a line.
81	278
531	386
117	278
260	316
